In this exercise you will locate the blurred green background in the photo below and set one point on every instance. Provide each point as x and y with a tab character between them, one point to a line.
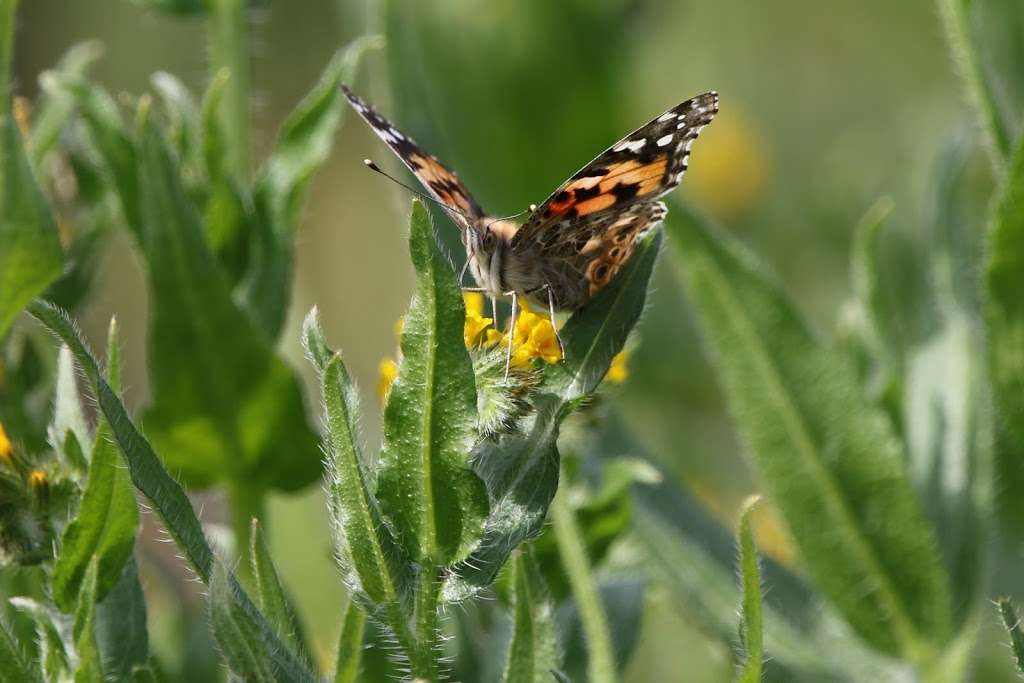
825	108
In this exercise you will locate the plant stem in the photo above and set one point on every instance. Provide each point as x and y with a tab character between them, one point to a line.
956	19
8	8
229	48
601	659
424	662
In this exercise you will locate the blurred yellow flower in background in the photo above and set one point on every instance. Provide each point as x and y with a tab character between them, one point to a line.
5	446
731	169
618	372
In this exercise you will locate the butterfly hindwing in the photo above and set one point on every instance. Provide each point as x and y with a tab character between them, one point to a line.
440	181
641	167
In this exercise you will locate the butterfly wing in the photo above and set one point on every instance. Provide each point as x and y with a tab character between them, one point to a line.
441	182
579	238
643	166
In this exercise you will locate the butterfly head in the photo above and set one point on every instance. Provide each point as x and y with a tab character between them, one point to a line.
487	243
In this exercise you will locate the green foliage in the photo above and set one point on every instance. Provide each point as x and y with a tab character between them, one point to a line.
424	482
751	620
272	598
30	251
533	651
103	531
828	458
350	645
1008	613
14	665
90	665
521	468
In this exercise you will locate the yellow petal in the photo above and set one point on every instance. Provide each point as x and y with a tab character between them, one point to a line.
474	303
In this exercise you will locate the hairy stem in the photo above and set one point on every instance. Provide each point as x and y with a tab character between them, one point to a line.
601	658
424	662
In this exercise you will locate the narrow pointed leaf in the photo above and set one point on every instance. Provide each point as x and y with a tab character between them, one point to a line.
236	634
1011	622
304	142
121	630
58	104
829	460
53	637
90	663
521	469
751	621
424	482
103	530
533	651
30	252
224	405
15	666
165	495
370	560
350	645
116	146
274	603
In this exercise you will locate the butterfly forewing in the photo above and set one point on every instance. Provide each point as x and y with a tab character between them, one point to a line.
442	183
642	166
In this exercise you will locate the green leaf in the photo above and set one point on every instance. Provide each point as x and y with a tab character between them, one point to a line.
57	104
117	148
1004	308
30	251
90	664
829	460
1012	624
533	651
521	468
15	666
103	531
371	561
53	637
165	495
304	142
224	213
182	115
350	645
175	7
751	626
425	485
121	625
224	406
238	637
274	603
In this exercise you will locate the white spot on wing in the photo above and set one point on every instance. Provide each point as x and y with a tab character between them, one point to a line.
665	139
667	116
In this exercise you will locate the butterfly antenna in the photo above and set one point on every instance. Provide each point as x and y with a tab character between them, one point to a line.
531	209
374	167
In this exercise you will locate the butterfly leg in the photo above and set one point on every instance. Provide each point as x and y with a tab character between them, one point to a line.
462	274
554	323
511	334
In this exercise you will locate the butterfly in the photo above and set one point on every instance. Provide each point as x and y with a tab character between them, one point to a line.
574	243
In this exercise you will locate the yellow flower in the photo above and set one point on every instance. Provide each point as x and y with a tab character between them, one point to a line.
534	338
475	322
388	371
618	372
474	303
6	450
